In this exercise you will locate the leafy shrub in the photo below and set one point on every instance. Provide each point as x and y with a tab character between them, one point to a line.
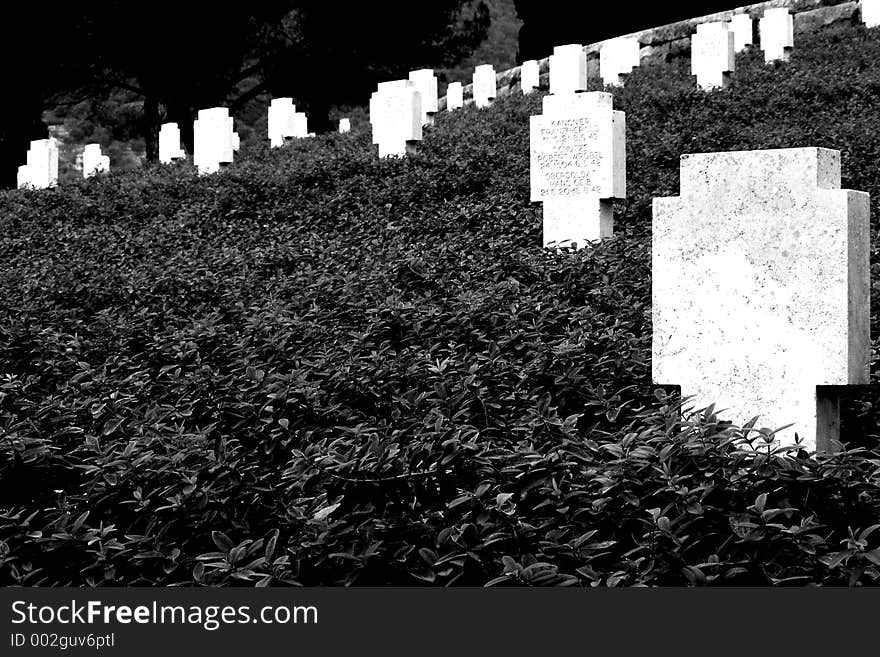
321	368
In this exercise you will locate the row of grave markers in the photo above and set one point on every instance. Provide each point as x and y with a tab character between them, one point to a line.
214	137
760	268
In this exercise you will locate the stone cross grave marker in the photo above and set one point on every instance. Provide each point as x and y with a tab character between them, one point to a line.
761	289
169	143
568	69
617	58
93	161
529	76
396	117
426	83
41	168
454	96
743	28
578	166
484	89
777	34
712	55
213	139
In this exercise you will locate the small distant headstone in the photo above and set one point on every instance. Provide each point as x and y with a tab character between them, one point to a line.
568	69
743	28
41	168
426	83
870	12
761	288
396	117
578	166
529	76
617	58
777	34
712	55
236	142
213	140
344	125
169	144
484	86
93	161
454	96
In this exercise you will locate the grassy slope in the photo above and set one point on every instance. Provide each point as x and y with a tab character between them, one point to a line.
377	362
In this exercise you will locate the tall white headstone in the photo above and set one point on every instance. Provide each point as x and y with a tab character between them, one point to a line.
213	139
484	87
93	161
870	12
568	69
617	58
577	154
712	55
344	125
396	117
454	96
529	76
41	168
282	121
426	83
743	28
761	285
169	143
777	34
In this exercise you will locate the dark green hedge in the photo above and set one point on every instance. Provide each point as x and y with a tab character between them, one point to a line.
321	368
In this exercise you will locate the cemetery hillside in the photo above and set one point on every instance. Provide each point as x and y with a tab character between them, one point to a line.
318	367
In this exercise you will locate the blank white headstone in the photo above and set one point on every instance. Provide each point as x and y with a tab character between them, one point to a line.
577	154
712	55
41	168
454	96
529	76
236	142
282	121
484	88
213	139
426	83
870	12
568	69
743	28
169	143
93	161
777	34
617	58
761	285
396	117
344	125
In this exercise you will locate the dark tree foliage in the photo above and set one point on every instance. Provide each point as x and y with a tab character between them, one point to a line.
324	55
549	23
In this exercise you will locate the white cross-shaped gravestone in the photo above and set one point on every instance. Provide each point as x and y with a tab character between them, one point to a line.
396	117
777	34
577	154
454	96
484	86
870	12
344	125
93	161
617	58
568	69
41	168
169	143
712	55
426	83
743	28
213	141
529	76
761	279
